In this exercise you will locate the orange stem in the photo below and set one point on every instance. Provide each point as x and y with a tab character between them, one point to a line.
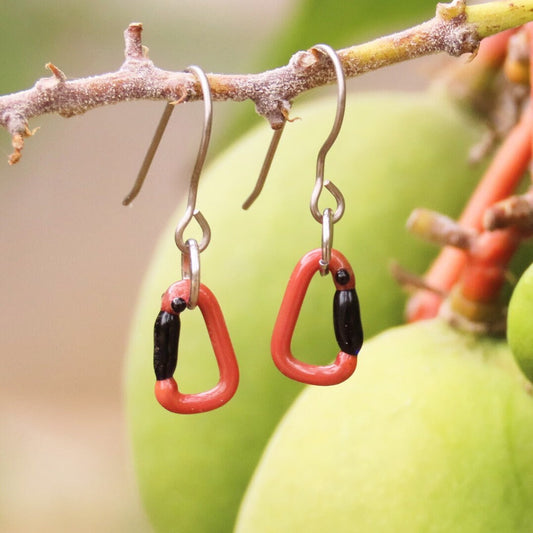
484	273
529	29
499	181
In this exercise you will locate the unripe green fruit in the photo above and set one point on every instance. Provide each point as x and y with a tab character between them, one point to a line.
433	434
520	322
394	153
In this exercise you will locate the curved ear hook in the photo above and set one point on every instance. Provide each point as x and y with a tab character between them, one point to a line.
265	168
191	211
320	163
319	184
149	157
200	160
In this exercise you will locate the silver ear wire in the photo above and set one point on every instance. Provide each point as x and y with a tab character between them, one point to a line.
191	210
320	184
265	168
320	163
148	158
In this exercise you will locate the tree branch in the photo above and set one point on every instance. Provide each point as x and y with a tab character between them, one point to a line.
456	29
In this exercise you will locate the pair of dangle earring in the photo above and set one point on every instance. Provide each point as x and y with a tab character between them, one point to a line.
346	313
189	292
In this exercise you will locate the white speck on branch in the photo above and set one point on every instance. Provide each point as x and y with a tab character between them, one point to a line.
456	29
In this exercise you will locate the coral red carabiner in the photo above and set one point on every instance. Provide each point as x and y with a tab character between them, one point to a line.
166	339
346	320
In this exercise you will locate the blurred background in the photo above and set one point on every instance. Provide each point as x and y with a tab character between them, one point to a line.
72	258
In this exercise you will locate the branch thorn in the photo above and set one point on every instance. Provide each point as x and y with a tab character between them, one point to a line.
59	75
409	280
448	12
440	229
132	37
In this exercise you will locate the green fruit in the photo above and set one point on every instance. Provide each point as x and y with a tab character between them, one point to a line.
433	434
520	322
395	152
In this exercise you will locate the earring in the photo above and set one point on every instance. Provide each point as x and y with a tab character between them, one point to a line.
189	293
346	314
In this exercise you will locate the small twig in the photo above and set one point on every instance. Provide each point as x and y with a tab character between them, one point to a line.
456	29
440	229
410	281
513	211
152	149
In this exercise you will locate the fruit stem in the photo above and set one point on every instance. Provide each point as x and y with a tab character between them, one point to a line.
529	30
499	181
484	273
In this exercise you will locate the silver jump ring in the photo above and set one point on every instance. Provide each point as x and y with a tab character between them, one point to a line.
190	269
327	240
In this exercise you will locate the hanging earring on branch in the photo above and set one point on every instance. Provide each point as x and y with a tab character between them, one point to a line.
346	315
188	294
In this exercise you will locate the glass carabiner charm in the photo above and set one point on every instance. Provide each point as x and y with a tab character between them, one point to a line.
166	339
346	322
